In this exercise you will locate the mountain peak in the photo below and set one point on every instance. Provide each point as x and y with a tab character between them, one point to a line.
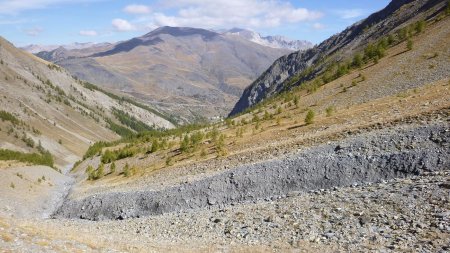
276	41
181	32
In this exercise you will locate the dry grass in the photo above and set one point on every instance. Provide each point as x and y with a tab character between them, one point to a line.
376	99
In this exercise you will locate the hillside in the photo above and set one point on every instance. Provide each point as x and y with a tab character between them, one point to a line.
375	145
190	73
44	108
332	55
341	159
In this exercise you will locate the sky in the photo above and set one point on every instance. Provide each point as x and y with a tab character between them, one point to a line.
57	22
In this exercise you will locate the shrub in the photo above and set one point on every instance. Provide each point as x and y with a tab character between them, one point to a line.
215	133
91	172
127	171
45	158
130	121
184	145
196	139
295	101
329	111
309	119
155	146
108	156
409	44
28	141
420	25
169	161
279	110
95	149
357	61
100	171
6	116
112	168
220	146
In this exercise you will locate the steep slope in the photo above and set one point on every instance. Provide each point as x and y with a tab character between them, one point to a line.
270	41
298	67
192	73
44	108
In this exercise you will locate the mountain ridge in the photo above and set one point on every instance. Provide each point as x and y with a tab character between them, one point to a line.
276	41
174	68
349	41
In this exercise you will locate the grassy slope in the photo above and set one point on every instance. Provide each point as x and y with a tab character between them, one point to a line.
405	83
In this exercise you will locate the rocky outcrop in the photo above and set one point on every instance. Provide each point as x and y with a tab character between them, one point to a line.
371	157
397	14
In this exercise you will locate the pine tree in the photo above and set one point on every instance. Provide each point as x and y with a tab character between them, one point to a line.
112	168
309	119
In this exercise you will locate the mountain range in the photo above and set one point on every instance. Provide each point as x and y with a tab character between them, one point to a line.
270	41
187	72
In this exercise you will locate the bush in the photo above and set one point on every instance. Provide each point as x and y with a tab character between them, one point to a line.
95	149
112	168
130	121
409	44
169	161
118	129
420	25
184	146
127	171
357	61
220	146
155	146
329	111
108	156
100	171
309	119
45	158
91	172
295	101
196	140
6	116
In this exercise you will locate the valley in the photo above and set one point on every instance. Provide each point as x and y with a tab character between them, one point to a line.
192	74
343	147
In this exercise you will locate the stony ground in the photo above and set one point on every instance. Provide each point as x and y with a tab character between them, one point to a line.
402	215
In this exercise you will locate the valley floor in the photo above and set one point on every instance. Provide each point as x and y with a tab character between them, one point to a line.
409	215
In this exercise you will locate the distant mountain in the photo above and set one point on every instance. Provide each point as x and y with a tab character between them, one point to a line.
270	41
298	67
188	72
34	49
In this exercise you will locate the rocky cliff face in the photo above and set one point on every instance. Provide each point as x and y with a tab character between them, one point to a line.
396	15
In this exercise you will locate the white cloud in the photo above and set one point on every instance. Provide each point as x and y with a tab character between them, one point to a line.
88	33
318	26
122	25
228	13
350	13
35	31
137	9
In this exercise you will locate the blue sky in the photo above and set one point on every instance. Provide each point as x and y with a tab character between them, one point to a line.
51	22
